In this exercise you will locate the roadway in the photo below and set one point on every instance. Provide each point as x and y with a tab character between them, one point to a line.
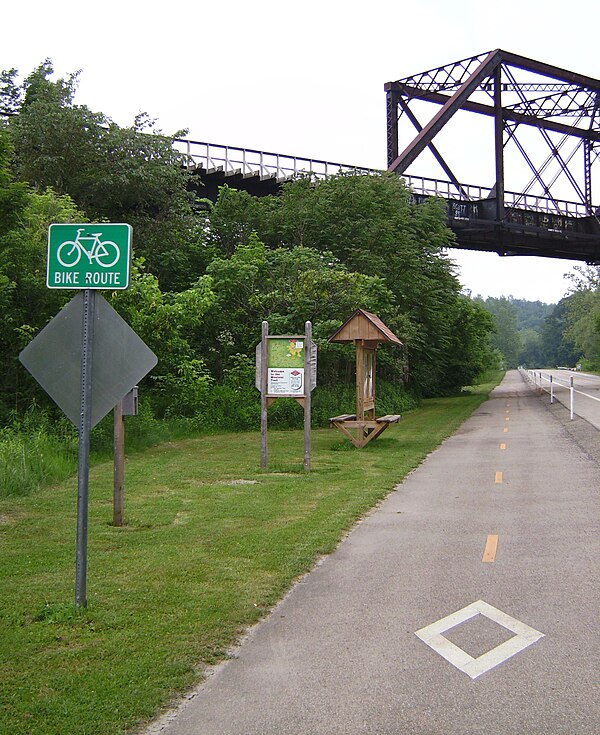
467	602
586	401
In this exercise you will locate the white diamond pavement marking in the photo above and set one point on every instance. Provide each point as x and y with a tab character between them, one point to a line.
432	635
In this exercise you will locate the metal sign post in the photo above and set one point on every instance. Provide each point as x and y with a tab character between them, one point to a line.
83	464
87	358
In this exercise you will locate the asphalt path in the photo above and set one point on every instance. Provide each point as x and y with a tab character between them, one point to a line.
586	392
494	536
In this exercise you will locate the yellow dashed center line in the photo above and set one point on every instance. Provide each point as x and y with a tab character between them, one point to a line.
503	446
491	545
499	478
507	419
505	429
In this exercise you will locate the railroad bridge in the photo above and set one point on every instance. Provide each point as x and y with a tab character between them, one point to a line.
545	121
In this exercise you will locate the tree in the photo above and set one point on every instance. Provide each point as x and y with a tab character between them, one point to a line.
558	350
370	225
131	174
166	322
469	353
26	304
506	337
287	287
531	354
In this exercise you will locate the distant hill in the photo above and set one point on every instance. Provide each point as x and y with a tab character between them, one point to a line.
531	314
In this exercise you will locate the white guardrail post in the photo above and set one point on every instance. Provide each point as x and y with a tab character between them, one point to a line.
572	399
551	390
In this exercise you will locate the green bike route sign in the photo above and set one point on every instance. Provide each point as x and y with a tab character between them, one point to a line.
89	256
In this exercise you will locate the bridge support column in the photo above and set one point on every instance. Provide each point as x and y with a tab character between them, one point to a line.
499	143
587	174
392	98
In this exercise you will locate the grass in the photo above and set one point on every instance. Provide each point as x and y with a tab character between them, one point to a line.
202	556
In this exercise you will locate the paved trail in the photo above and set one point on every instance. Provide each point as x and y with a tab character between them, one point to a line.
340	654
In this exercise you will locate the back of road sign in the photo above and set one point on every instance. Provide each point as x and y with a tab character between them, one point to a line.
120	359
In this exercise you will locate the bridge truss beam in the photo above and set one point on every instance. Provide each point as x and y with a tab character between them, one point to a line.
517	92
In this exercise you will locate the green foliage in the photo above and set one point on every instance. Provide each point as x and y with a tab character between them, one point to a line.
469	352
558	349
532	352
35	452
361	225
505	338
531	314
287	287
206	276
27	305
130	174
165	322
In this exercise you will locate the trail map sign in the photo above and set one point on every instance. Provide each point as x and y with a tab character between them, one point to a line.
285	367
89	256
285	360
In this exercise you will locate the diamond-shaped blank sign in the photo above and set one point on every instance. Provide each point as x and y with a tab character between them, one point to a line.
474	667
120	359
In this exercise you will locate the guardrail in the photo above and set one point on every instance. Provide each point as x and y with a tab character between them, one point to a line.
266	164
229	159
546	382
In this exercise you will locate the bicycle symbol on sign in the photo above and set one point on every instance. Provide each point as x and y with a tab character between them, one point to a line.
105	252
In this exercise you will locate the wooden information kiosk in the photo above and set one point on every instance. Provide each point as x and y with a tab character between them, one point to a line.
366	331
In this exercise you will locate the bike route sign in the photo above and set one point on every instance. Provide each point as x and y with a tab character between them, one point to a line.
93	256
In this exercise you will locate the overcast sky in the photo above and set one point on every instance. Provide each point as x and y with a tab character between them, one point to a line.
302	78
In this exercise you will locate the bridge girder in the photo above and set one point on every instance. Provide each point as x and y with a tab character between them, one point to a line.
516	92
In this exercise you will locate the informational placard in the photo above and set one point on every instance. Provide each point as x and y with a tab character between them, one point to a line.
89	256
285	363
312	372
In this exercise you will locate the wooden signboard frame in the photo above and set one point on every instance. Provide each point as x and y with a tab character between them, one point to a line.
281	381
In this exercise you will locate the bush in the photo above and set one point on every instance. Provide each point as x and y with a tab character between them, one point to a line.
35	451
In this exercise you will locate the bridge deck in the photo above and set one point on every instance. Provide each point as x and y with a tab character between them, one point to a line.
532	225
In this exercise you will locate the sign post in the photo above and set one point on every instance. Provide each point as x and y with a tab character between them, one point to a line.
87	358
263	396
83	464
308	349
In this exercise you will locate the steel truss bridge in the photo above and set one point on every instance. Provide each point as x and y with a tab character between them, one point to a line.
519	95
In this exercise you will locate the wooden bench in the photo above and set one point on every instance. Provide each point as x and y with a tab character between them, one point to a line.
366	430
391	418
343	417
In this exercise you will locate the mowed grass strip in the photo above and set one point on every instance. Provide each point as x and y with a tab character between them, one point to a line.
210	544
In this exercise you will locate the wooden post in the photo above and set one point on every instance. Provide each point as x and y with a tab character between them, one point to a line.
360	380
119	464
308	348
263	395
373	365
